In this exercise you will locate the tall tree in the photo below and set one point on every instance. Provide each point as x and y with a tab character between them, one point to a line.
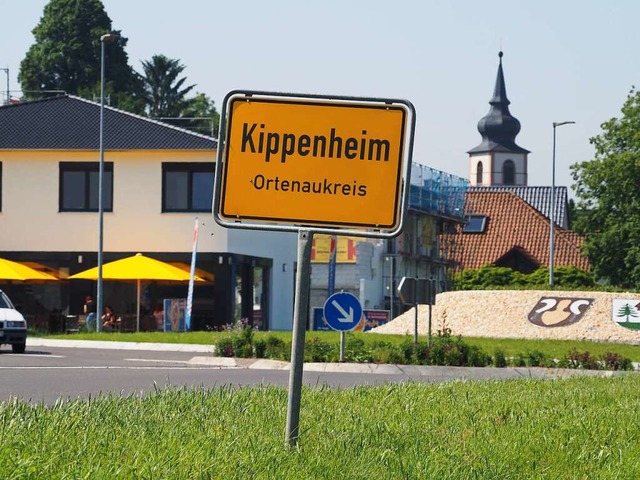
165	93
67	52
609	198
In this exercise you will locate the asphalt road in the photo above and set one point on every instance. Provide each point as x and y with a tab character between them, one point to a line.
44	374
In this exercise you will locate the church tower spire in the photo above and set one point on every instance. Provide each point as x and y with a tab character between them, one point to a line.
498	160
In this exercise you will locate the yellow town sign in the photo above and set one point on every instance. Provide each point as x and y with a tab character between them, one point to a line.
313	162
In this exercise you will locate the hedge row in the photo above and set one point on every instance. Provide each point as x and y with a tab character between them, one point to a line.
491	277
445	349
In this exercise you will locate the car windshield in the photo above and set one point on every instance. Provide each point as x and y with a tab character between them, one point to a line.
4	301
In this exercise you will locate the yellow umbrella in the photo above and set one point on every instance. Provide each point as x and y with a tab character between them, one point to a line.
15	271
137	267
203	274
45	269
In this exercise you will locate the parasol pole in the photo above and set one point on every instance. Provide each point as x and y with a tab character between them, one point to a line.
138	309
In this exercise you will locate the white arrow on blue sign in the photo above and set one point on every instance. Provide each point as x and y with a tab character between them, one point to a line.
342	311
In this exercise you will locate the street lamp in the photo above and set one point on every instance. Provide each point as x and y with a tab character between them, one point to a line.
552	243
6	70
107	38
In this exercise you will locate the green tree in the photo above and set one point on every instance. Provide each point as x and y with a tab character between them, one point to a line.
609	198
165	93
67	52
203	115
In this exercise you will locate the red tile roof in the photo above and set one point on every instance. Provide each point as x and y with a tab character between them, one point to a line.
513	223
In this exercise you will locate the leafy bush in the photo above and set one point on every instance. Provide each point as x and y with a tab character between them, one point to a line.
317	350
224	348
243	342
260	348
476	357
239	342
385	352
355	349
276	348
451	351
499	359
608	361
492	277
536	358
615	361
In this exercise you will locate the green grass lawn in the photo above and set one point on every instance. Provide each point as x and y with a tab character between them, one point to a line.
575	428
511	347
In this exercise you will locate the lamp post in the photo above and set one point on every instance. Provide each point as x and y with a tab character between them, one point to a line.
106	38
6	70
552	242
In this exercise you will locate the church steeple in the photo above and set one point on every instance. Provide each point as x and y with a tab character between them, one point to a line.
498	160
498	127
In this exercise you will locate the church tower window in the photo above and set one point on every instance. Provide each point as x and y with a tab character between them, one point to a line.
508	173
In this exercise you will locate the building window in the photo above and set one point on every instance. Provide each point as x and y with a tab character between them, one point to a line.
508	173
79	186
187	187
479	174
476	224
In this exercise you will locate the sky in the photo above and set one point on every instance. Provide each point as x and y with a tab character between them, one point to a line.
570	60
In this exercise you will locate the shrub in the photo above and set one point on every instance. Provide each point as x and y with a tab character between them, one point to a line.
476	357
584	360
492	277
608	361
224	347
411	352
451	351
615	361
535	358
386	353
355	349
276	348
260	348
520	360
242	342
317	350
499	359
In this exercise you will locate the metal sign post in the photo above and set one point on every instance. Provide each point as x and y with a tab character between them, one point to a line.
301	307
417	291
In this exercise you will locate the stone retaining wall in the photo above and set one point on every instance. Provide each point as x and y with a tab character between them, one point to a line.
532	314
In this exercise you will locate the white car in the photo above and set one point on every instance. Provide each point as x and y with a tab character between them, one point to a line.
13	326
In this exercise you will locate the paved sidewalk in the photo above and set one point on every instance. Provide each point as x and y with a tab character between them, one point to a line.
435	372
107	345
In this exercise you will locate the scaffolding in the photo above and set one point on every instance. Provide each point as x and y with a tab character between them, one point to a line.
427	246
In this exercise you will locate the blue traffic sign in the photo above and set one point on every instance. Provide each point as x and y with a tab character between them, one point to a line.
342	311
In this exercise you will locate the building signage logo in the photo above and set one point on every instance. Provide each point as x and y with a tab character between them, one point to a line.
625	312
313	162
559	311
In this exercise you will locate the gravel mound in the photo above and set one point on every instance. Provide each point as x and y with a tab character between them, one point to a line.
531	314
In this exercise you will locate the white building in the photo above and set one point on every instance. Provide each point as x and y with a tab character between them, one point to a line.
157	180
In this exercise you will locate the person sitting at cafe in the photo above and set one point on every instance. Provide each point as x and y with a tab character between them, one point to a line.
89	310
109	319
158	314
